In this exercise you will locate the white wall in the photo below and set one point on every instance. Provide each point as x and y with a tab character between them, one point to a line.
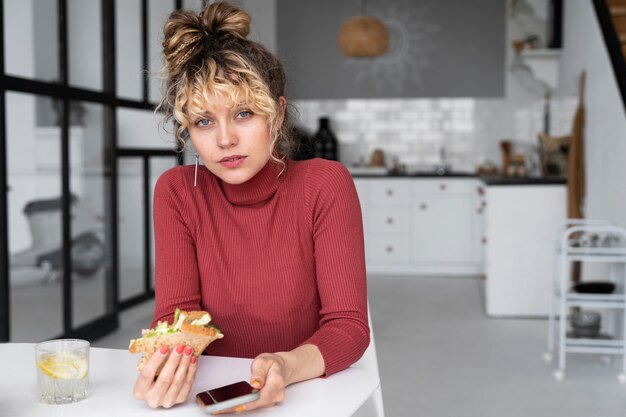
605	124
263	26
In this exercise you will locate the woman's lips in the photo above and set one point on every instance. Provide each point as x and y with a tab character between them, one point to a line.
232	161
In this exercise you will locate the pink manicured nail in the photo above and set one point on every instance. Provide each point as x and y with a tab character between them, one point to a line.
180	348
194	359
164	350
188	351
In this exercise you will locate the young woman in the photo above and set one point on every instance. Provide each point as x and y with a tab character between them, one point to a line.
272	248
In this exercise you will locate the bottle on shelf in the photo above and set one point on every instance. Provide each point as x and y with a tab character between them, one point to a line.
325	142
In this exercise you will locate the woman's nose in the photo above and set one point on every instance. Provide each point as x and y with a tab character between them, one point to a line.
227	137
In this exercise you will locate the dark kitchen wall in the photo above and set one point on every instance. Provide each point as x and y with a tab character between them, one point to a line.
439	48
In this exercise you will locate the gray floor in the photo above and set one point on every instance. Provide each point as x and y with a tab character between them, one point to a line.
37	303
440	356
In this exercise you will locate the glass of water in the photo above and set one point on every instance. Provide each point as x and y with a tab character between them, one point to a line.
62	371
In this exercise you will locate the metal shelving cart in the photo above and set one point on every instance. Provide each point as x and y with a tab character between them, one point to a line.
588	241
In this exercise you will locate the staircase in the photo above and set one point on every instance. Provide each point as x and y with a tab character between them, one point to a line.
611	16
617	10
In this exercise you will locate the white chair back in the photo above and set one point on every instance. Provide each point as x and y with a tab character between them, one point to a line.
373	407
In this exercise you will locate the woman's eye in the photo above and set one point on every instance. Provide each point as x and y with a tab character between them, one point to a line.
203	122
244	114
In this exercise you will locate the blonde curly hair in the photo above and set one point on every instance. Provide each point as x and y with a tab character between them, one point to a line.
208	54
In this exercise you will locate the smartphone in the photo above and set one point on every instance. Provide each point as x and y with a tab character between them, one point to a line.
218	399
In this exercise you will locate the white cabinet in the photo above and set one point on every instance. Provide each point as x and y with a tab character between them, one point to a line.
442	228
480	231
389	220
521	223
420	225
387	238
389	192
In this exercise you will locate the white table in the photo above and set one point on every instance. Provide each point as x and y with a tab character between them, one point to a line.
112	375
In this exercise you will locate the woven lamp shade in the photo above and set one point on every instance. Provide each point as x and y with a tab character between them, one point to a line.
363	36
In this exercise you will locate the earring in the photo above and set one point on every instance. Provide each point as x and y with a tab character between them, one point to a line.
195	175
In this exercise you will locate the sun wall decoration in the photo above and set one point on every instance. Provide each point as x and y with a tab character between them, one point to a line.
410	44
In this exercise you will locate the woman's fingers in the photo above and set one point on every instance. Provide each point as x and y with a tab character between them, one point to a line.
168	381
148	373
174	382
267	374
190	376
259	369
275	386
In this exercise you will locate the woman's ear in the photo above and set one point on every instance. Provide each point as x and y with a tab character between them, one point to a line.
282	101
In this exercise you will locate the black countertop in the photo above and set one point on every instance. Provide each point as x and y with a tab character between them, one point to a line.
504	180
417	175
490	180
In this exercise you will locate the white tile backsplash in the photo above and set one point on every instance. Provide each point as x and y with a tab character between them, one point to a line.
413	130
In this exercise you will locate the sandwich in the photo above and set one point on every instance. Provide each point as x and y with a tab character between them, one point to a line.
191	328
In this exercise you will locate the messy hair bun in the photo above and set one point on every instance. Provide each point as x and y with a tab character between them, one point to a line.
185	31
208	53
226	18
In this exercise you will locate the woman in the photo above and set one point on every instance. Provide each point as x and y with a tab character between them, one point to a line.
272	248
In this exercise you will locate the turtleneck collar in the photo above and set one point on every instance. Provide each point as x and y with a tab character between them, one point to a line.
257	189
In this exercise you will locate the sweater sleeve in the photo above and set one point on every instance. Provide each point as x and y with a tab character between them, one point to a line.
343	335
176	280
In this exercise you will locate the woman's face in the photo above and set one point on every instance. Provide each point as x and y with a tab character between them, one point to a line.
234	143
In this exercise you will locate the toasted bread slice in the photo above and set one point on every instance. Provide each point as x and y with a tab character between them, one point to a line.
196	336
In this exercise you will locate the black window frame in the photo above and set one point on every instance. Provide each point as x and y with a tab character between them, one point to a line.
66	93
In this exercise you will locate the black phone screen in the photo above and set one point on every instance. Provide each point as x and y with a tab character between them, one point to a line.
225	393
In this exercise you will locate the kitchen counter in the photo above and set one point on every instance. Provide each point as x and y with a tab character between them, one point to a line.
420	224
504	180
520	226
486	179
418	174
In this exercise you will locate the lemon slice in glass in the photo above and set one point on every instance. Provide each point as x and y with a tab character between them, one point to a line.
64	366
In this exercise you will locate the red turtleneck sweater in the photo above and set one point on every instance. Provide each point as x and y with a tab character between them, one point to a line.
277	261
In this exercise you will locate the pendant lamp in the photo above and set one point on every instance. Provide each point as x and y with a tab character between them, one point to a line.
363	36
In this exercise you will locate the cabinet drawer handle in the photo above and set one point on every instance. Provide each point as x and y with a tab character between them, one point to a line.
480	210
389	220
423	206
389	249
481	190
442	187
483	240
389	192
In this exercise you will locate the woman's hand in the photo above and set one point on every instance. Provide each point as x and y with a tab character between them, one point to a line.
269	376
271	373
174	382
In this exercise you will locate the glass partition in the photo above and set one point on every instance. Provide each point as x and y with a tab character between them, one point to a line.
131	227
158	11
35	230
128	49
66	168
31	39
84	34
88	214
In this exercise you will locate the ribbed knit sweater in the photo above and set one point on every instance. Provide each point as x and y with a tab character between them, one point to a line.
278	261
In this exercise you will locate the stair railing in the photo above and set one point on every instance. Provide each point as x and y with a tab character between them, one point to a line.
613	44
